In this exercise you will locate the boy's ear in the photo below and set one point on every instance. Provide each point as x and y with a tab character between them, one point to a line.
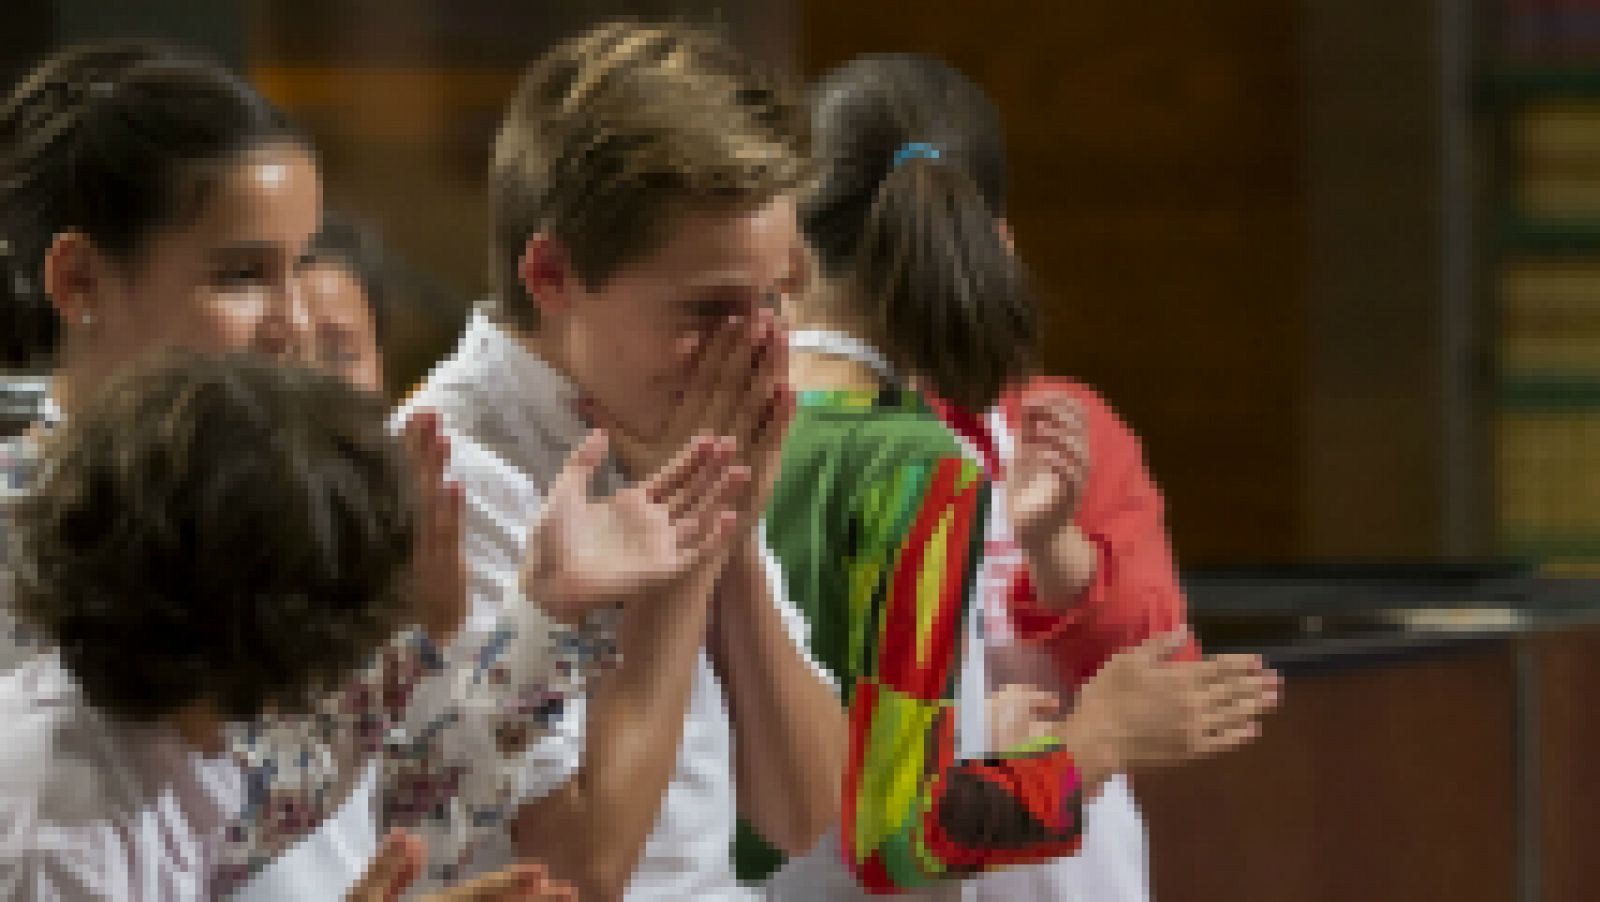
547	274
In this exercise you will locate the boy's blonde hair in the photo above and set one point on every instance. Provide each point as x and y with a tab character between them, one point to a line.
615	129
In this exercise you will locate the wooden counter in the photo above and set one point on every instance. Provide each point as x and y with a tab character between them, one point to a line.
1457	767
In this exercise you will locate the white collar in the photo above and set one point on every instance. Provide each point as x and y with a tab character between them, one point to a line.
507	399
532	395
843	344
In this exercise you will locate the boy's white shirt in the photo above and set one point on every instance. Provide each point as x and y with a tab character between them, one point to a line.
511	423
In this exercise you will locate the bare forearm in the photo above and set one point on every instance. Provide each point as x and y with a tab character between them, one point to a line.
592	831
789	722
1062	563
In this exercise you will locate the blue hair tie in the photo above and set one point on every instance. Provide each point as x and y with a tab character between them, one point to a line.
916	150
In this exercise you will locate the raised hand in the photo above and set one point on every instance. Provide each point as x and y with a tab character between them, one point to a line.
1045	481
587	552
762	416
400	860
438	569
1144	709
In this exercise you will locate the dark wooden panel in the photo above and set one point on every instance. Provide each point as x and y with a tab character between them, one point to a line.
1156	192
1374	280
1567	668
1157	104
477	32
217	27
1152	307
1389	784
27	36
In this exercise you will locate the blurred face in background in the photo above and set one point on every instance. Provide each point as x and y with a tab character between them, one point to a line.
343	331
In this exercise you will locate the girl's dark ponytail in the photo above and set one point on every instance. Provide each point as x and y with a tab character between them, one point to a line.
907	216
949	301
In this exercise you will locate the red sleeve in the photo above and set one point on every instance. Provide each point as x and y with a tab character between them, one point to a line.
1134	594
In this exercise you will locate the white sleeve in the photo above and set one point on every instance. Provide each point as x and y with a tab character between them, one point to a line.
18	642
145	858
97	862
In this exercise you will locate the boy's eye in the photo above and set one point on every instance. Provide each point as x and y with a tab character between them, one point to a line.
712	309
240	275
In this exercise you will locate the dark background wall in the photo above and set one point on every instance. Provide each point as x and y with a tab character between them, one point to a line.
1236	211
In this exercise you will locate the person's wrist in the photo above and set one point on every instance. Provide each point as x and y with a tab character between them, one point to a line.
1076	557
541	587
1035	535
1062	560
735	564
1095	747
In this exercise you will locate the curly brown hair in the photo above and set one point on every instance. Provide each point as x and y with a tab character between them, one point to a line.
217	528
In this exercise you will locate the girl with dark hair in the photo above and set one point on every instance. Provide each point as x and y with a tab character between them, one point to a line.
880	515
147	200
1080	565
347	287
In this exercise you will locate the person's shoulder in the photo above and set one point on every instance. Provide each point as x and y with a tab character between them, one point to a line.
45	857
905	436
455	384
54	773
849	453
35	697
499	496
916	451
